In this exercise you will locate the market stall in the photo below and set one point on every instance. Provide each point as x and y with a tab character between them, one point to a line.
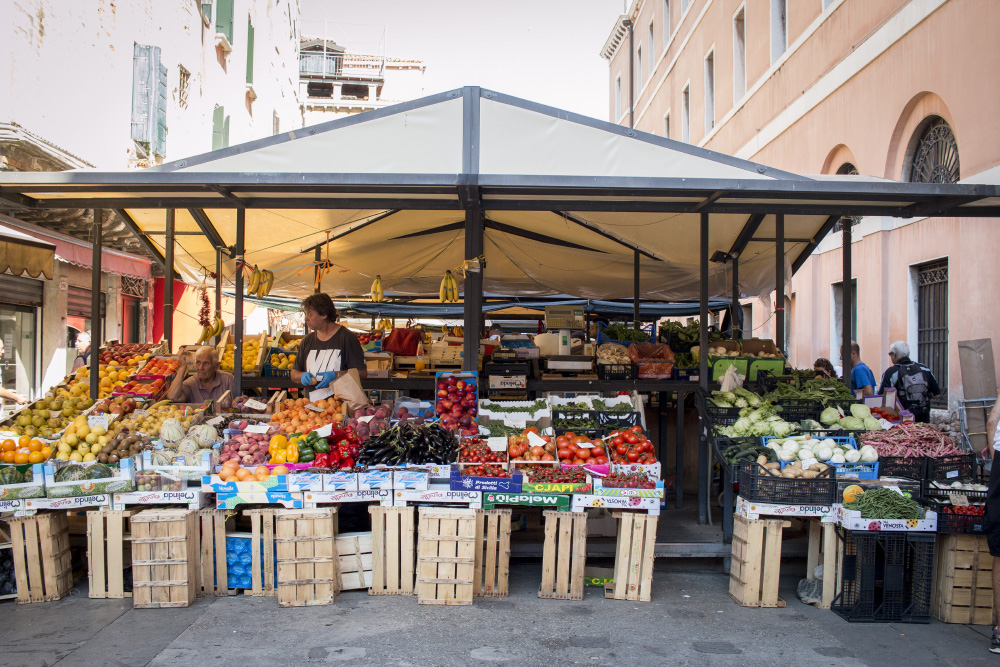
512	197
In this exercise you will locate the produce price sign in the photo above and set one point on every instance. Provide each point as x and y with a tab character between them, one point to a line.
754	510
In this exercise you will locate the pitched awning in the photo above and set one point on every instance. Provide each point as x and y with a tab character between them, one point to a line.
22	255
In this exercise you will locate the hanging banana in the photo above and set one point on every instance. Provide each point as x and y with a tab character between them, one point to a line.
378	295
254	282
269	282
449	289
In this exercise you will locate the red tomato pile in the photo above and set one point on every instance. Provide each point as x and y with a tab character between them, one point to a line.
547	475
573	449
475	450
631	446
878	413
520	449
968	510
486	470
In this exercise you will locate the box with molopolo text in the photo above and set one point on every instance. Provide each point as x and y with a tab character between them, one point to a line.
550	501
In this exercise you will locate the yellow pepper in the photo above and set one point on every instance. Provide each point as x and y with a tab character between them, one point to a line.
278	457
292	453
278	442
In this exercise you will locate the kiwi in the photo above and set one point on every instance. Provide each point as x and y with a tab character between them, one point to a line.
103	457
113	458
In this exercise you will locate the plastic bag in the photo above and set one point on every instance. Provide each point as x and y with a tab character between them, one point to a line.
731	379
403	342
654	361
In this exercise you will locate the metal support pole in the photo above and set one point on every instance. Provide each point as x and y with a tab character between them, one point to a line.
96	335
631	77
218	288
661	445
703	377
473	297
779	282
168	283
241	225
847	306
318	257
679	454
737	332
635	296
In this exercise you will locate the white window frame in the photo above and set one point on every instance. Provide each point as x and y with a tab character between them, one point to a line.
651	66
709	90
666	124
779	29
618	98
739	54
685	6
666	24
686	112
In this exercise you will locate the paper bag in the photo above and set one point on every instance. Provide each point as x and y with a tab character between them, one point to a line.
348	389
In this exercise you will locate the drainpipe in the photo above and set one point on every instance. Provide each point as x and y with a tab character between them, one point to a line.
631	75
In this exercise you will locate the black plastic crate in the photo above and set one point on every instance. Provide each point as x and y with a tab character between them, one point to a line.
766	383
721	416
929	491
910	467
757	485
952	468
687	373
721	444
574	420
612	372
798	409
958	524
885	577
592	433
675	343
610	421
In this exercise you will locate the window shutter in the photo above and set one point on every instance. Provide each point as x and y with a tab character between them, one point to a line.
140	91
224	19
160	141
218	117
249	52
225	132
206	9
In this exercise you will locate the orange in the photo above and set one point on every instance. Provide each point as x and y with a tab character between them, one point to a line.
8	457
23	440
20	458
8	445
243	474
46	452
262	470
36	457
35	446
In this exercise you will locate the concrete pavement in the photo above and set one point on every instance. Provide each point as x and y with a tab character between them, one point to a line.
691	621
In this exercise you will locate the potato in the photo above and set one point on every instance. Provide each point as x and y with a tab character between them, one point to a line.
790	473
809	474
762	460
773	466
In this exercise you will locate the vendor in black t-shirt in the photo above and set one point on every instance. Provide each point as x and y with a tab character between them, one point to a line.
327	351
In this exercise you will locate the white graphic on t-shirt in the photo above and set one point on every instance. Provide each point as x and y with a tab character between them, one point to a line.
323	361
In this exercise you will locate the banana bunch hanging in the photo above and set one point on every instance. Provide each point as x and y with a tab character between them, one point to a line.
449	289
378	296
385	324
261	281
211	331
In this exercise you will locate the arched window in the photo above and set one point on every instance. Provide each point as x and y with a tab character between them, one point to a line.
935	153
846	169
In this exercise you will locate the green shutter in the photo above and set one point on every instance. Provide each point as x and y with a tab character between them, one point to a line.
225	133
218	120
249	52
224	19
206	9
140	91
160	138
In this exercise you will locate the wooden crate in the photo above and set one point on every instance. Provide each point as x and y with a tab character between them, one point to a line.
42	560
446	555
564	556
354	552
164	558
963	585
308	573
393	550
109	551
490	577
212	563
634	558
262	554
824	548
756	562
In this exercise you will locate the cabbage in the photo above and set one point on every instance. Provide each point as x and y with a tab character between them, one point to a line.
830	416
719	403
872	424
823	453
742	425
790	446
860	410
781	429
852	456
786	456
852	424
838	457
869	454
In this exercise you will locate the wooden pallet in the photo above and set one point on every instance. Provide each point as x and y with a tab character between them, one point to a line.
109	552
963	585
42	560
446	556
756	562
261	554
633	558
564	556
164	558
491	574
354	551
213	567
393	550
308	572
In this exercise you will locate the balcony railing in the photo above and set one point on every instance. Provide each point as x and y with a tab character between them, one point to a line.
341	65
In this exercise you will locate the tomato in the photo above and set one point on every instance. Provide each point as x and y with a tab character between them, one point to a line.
631	438
584	454
570	435
600	459
537	451
564	453
636	429
548	457
597	451
621	448
561	441
632	456
618	441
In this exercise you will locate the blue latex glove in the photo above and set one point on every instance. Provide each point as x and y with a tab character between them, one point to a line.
326	378
306	379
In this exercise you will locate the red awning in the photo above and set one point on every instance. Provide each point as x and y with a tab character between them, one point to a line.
75	251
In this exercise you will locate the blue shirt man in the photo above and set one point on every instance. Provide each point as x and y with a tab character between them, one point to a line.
861	376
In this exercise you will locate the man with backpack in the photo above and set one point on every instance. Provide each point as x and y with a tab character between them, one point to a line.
914	382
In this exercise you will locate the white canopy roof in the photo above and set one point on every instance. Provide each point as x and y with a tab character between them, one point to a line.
567	200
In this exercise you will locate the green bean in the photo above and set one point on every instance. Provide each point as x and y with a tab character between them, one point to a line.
885	504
